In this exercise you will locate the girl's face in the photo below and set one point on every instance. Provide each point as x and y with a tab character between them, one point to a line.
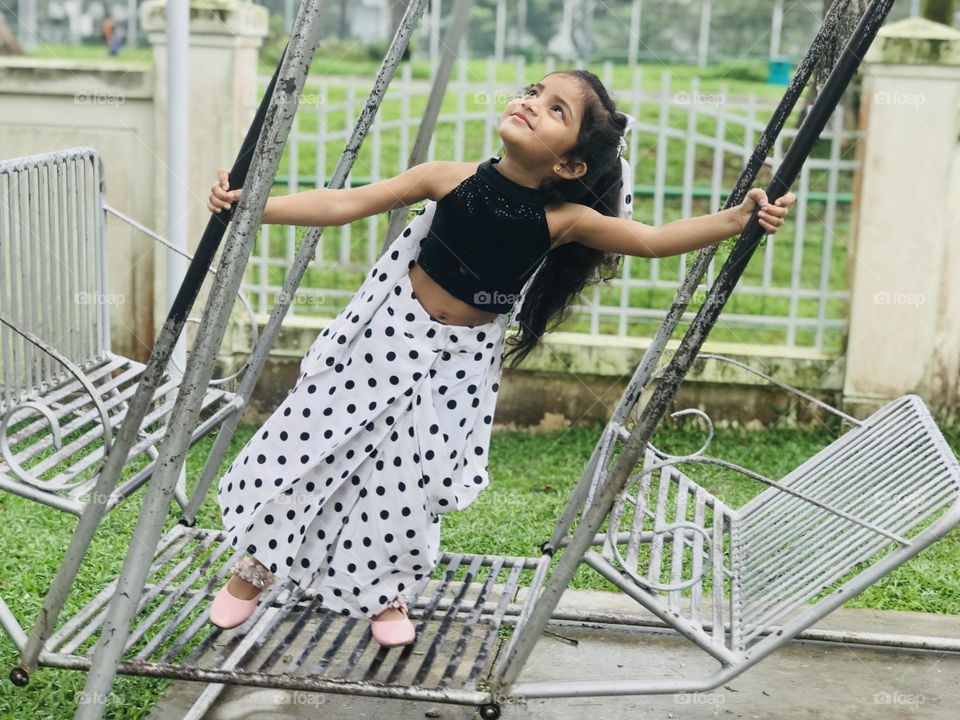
540	126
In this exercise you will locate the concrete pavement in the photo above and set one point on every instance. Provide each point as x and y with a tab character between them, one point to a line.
804	679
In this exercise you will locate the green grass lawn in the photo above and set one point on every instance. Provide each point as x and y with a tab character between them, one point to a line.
531	477
45	51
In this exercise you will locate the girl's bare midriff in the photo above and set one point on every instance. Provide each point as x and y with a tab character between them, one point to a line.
443	306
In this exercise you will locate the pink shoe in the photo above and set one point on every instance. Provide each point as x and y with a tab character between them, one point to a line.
394	633
227	610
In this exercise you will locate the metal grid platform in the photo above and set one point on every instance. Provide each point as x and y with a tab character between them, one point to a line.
291	642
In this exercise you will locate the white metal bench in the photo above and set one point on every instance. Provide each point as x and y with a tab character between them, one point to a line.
63	393
740	582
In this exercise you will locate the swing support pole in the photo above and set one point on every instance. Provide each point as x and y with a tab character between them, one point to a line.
305	253
148	382
279	119
397	218
650	359
508	669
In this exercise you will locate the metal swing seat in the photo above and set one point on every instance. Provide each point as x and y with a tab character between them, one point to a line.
55	353
738	583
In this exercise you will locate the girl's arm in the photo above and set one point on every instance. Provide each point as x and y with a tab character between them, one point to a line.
325	207
629	237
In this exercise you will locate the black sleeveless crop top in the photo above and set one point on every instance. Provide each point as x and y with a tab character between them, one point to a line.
488	235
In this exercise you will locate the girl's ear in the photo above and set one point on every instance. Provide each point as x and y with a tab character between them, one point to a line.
570	169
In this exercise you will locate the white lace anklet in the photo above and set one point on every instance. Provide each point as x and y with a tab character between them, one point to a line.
253	572
399	603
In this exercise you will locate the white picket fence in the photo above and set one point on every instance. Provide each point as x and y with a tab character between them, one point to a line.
794	293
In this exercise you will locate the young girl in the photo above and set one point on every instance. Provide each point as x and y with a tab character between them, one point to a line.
388	424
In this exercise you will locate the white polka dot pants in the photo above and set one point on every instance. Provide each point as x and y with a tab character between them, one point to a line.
387	428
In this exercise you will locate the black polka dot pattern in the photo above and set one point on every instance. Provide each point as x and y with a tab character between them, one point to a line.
387	427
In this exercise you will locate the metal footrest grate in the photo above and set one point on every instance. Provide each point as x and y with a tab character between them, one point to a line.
291	642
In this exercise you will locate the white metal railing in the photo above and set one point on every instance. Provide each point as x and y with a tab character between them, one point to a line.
686	152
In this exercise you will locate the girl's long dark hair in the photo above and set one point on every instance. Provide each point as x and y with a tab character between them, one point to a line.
567	269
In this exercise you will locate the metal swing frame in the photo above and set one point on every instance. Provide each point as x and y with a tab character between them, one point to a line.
289	642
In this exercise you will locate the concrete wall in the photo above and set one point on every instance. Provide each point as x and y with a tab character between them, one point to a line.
904	325
582	378
225	36
120	109
54	105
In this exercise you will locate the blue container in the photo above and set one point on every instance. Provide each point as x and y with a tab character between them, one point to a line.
778	70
